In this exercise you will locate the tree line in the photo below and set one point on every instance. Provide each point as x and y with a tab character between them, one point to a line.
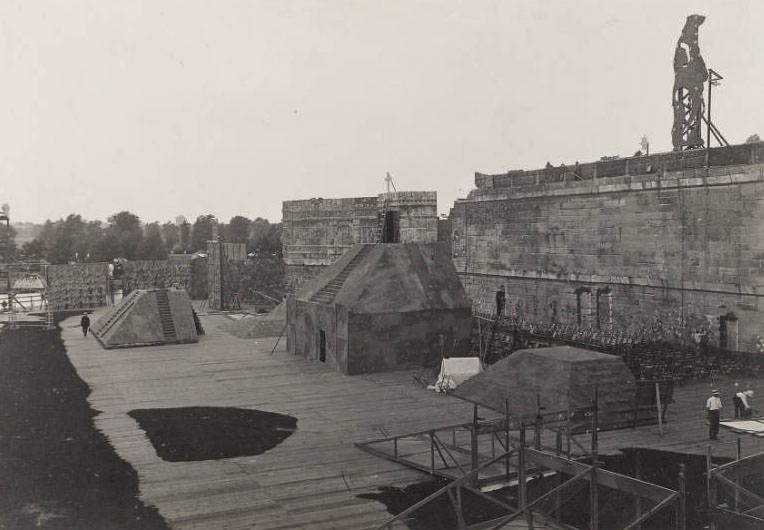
75	239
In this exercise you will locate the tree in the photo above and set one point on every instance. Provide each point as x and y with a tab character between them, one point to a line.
152	246
7	241
123	235
266	237
238	229
753	139
201	232
171	236
88	240
220	230
33	250
62	237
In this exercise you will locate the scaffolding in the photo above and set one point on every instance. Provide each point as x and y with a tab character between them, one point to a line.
735	500
532	469
27	295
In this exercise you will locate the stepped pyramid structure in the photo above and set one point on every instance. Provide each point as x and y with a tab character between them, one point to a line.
558	378
147	317
382	307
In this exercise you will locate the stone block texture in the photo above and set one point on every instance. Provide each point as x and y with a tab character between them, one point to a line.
316	232
620	251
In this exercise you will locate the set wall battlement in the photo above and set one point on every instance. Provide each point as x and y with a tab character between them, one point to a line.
658	165
684	178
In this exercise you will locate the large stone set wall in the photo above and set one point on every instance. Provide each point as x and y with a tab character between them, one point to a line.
77	286
86	285
157	274
316	232
622	252
417	214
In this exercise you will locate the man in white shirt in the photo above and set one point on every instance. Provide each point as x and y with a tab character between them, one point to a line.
714	408
742	404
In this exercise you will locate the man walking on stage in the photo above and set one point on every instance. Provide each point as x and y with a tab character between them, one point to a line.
714	408
85	324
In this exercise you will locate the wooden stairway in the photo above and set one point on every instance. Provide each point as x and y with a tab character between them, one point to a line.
101	328
165	316
329	291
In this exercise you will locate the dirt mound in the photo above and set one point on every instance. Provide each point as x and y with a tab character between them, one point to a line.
258	326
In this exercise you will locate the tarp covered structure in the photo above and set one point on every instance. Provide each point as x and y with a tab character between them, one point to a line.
557	378
147	317
382	307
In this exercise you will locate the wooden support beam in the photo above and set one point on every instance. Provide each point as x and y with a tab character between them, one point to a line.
500	522
460	482
638	476
438	442
594	504
752	511
652	511
682	498
432	453
506	431
460	513
748	496
730	519
660	409
742	468
425	432
606	478
709	467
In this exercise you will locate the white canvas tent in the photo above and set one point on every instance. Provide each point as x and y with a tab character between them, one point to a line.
454	371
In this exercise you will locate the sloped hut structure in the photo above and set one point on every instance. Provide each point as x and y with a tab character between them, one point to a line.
382	307
147	317
560	378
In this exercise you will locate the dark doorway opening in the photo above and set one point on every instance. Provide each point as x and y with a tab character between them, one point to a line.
728	332
322	345
391	230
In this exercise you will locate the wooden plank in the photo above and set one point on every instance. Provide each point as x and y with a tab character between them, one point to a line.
312	479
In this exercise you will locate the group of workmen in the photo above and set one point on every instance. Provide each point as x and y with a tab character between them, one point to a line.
743	409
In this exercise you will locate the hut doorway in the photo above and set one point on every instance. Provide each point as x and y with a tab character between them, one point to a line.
322	345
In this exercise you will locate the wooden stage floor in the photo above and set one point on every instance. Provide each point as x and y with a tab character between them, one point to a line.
312	479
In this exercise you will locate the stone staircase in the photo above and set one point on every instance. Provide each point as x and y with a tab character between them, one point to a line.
165	316
327	293
103	327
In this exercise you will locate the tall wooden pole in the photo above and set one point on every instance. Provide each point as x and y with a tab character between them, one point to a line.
506	432
593	488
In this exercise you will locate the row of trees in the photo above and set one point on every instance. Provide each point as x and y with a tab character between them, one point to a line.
124	236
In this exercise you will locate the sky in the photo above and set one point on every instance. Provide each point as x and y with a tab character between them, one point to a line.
191	107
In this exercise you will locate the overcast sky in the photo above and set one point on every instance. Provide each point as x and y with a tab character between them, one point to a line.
231	107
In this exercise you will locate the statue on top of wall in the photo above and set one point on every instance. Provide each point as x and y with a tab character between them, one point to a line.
690	74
